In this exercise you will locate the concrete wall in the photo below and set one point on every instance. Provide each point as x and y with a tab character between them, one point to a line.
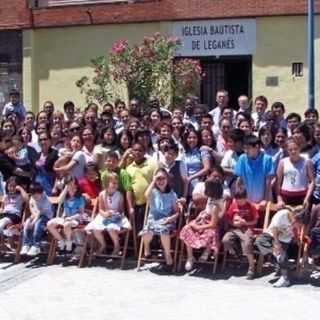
55	58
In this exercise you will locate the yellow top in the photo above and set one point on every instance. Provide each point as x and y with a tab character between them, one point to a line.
140	177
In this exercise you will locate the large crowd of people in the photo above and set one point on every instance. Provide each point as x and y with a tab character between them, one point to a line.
227	162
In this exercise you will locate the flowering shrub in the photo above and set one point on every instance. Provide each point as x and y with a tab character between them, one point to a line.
146	69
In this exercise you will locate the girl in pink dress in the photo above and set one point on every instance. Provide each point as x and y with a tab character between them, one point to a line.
202	232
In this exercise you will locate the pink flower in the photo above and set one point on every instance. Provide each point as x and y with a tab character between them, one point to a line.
119	46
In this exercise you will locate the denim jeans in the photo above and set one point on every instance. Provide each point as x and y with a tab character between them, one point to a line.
32	236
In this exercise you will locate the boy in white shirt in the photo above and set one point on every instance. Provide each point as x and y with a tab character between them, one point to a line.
277	238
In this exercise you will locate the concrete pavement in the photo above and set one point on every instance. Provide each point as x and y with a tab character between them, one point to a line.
38	292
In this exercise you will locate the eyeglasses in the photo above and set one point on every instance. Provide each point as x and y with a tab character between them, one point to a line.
74	129
43	139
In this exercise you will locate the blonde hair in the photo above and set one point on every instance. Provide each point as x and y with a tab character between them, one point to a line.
112	176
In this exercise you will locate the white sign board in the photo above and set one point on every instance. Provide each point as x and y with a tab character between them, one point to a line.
216	37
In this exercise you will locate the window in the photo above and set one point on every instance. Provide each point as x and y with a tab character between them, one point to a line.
297	69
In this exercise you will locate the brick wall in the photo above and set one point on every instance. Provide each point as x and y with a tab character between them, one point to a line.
15	14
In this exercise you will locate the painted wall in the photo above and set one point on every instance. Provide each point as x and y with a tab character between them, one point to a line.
55	58
280	42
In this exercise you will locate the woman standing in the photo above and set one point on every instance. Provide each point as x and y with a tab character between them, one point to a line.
45	174
295	178
197	161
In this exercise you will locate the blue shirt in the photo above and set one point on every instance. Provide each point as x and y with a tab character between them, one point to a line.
43	206
73	205
316	161
162	204
254	173
18	109
193	160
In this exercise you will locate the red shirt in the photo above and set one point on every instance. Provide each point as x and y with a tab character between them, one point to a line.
91	188
248	211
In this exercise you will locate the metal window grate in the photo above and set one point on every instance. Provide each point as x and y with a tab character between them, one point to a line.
297	69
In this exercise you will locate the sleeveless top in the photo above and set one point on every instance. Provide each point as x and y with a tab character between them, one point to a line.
112	202
295	177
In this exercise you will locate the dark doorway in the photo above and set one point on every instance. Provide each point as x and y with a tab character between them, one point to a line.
230	73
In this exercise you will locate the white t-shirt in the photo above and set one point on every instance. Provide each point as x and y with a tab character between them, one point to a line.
281	221
200	188
229	160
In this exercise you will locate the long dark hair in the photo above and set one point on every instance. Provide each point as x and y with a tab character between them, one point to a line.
78	193
185	138
114	135
130	138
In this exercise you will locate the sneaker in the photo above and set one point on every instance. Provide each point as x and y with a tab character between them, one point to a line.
189	265
61	245
282	283
69	245
25	249
34	251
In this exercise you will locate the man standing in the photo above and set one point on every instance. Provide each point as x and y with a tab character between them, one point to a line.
255	170
14	106
259	116
243	103
222	99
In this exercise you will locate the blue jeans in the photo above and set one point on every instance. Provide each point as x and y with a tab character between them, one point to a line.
32	236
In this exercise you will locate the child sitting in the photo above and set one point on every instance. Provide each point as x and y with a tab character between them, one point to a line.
163	213
202	232
241	216
90	183
73	216
111	215
34	227
12	204
277	239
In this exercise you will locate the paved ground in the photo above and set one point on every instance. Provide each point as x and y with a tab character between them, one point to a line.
34	291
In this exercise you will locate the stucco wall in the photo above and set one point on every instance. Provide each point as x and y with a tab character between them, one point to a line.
280	42
55	58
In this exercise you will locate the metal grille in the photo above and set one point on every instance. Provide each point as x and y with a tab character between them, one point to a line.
212	82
